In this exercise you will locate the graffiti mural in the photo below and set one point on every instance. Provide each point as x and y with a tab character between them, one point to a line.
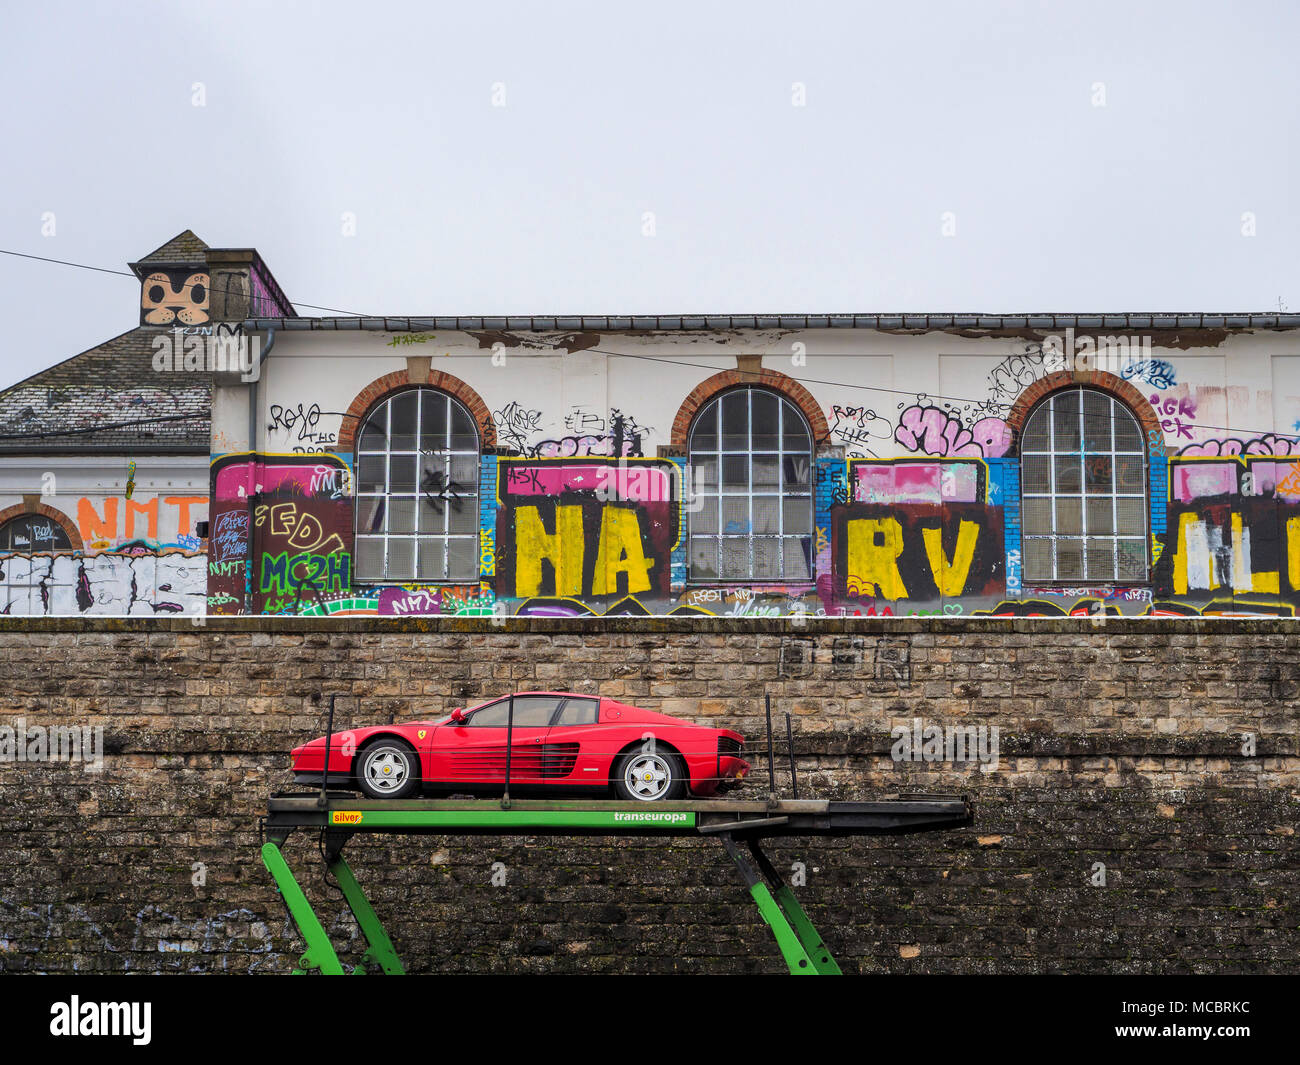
106	523
916	533
303	551
516	424
911	481
1268	444
586	434
1017	372
930	430
588	512
1177	414
1155	372
125	553
860	429
170	296
1232	539
589	436
1248	546
299	426
595	529
318	488
918	554
1128	356
136	584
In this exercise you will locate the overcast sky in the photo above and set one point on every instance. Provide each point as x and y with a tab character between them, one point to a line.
1090	157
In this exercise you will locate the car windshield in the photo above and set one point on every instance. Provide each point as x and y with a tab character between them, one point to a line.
531	711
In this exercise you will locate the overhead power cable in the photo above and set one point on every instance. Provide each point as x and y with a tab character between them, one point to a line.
979	405
127	273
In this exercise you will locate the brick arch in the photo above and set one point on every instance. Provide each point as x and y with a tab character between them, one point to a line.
19	510
1099	379
382	387
772	379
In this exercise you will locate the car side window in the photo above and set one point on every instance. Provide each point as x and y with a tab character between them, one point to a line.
579	712
530	711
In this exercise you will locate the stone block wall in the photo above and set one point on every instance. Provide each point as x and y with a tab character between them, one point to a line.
1122	743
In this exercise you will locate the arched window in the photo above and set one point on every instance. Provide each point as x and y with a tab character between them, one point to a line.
29	533
751	457
417	468
35	585
1083	484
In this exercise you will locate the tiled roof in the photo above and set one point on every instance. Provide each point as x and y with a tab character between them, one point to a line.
183	249
109	399
1153	321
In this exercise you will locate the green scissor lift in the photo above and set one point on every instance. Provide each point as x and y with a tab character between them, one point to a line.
339	816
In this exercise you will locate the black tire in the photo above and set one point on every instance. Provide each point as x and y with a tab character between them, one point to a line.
649	765
387	768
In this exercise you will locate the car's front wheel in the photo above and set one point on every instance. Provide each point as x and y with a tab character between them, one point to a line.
388	769
650	776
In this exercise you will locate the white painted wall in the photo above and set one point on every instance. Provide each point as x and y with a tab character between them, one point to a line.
115	574
91	493
1246	386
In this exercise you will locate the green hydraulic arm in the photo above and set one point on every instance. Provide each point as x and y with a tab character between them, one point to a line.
321	956
339	816
379	948
818	953
802	948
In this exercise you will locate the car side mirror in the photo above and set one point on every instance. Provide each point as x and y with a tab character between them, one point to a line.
458	716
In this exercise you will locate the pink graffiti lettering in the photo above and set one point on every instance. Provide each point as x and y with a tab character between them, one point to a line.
636	483
1176	415
1269	444
932	431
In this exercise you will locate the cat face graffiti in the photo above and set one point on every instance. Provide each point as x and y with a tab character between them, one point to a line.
178	295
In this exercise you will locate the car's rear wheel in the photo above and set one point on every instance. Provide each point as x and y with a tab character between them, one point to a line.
388	769
650	776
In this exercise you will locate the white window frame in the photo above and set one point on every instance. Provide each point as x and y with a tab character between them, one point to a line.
1047	409
36	547
433	452
706	498
37	562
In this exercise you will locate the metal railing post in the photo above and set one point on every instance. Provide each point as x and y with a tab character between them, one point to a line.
329	735
510	735
789	746
771	764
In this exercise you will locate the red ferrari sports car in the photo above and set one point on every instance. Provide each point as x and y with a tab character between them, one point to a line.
560	742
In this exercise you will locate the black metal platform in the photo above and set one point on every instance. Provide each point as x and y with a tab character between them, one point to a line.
343	812
338	816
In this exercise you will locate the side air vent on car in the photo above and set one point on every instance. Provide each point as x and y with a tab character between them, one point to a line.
546	760
558	759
